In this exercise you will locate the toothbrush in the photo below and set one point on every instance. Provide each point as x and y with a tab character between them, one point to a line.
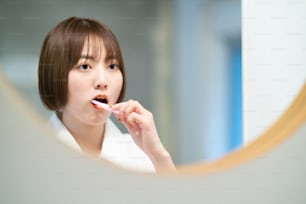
104	106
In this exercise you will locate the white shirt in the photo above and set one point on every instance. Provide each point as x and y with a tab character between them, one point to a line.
117	147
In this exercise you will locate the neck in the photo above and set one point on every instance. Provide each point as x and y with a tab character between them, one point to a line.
88	137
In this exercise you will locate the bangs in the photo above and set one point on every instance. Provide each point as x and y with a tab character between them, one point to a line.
96	36
95	45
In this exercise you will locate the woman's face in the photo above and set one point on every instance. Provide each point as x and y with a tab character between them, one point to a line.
94	76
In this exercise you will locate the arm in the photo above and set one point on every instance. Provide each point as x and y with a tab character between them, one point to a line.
140	124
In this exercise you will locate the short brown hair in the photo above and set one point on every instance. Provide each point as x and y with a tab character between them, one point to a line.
62	49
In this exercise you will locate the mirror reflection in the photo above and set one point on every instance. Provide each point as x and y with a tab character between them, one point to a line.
182	61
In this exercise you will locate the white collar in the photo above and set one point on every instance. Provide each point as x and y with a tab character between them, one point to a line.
117	147
65	136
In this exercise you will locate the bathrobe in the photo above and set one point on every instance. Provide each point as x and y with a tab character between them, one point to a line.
118	148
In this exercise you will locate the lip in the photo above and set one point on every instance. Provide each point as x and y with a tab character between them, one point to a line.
104	106
99	96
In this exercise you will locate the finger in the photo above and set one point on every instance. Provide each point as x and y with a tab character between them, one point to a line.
133	106
116	106
120	108
129	107
137	120
116	110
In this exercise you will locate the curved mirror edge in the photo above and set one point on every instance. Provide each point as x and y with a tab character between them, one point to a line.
293	118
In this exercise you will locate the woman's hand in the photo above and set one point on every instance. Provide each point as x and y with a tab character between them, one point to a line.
140	124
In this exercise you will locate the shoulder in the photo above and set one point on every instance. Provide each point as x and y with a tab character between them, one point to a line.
62	133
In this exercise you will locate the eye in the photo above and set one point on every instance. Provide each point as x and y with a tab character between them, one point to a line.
113	66
84	67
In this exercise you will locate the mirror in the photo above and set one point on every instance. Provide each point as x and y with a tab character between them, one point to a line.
182	61
165	61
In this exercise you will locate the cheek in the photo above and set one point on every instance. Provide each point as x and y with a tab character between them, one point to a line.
118	83
76	87
72	85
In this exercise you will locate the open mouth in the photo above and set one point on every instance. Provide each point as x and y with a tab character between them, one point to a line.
101	99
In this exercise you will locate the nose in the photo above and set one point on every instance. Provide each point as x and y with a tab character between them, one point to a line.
101	81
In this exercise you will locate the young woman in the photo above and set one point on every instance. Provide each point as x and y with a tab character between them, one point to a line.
81	63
